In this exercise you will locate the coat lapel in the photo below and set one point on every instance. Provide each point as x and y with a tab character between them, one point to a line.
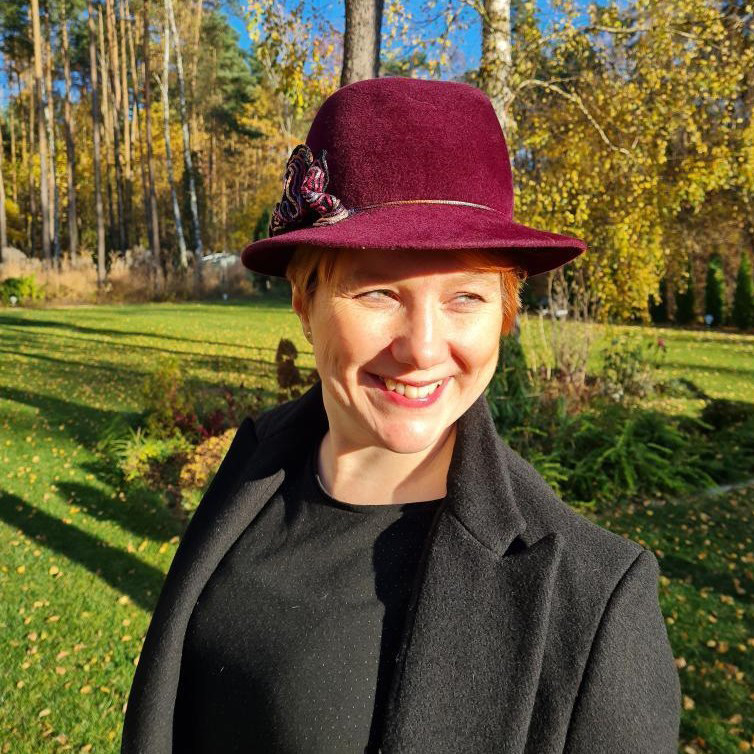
475	634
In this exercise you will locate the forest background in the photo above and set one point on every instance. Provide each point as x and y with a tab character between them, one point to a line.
143	145
629	125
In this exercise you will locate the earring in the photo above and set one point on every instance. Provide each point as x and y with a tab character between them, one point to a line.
308	335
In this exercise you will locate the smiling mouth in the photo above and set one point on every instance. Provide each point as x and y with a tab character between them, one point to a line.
408	391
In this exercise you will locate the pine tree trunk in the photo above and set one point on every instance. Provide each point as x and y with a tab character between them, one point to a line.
150	158
14	164
27	148
182	257
187	159
110	88
361	41
193	117
41	106
127	145
3	218
50	117
96	117
70	144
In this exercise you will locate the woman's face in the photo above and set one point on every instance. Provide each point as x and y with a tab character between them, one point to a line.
393	326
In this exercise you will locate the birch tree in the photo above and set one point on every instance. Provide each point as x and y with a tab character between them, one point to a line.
41	109
187	159
182	258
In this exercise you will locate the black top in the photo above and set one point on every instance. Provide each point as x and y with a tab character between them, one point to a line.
291	644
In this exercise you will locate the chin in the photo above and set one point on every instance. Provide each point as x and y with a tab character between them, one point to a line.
401	440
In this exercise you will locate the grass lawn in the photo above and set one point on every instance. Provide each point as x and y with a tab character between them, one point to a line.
85	555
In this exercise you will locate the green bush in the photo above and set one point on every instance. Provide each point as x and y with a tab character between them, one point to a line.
714	291
25	289
742	313
615	453
630	368
168	404
143	457
510	394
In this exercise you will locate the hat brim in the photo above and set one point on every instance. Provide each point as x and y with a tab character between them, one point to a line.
421	226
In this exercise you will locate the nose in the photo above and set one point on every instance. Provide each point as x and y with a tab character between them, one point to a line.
421	340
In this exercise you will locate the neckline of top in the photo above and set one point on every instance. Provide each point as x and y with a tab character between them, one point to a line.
421	506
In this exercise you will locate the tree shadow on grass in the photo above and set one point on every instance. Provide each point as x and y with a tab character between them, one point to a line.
142	512
100	332
218	362
715	368
124	572
82	423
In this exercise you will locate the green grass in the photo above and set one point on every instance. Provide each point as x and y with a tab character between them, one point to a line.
84	555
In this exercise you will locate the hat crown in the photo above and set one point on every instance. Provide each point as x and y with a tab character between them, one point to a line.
398	139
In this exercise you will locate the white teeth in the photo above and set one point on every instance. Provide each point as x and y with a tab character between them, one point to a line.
410	391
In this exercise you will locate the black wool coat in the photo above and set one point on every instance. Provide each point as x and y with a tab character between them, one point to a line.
530	629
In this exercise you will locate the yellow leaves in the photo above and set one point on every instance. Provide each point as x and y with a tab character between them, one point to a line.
21	569
85	689
45	712
124	599
688	702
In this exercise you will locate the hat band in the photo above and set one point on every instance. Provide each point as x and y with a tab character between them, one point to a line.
430	201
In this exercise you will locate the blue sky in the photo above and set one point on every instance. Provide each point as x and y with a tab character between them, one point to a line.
467	44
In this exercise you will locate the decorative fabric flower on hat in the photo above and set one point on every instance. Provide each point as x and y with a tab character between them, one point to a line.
304	194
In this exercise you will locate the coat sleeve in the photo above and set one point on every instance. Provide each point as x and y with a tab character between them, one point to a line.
629	701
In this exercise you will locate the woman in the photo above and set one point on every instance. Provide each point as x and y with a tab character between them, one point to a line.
372	568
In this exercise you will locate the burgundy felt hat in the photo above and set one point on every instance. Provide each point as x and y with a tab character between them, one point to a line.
403	164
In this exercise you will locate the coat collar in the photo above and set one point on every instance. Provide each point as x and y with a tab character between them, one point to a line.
480	492
473	641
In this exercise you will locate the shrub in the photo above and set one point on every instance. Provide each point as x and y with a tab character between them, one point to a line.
510	394
742	314
24	288
616	453
714	291
201	464
169	408
289	378
630	368
154	461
